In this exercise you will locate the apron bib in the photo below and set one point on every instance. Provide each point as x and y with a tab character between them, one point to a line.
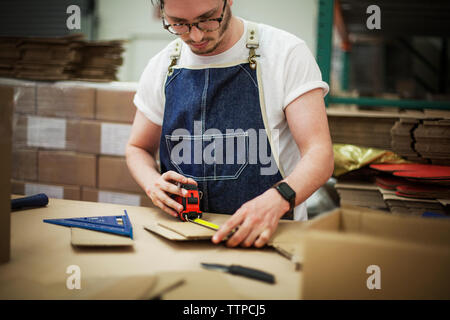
215	130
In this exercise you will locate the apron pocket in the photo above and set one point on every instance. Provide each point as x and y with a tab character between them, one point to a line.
209	157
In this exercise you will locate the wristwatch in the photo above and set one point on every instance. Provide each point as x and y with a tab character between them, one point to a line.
287	193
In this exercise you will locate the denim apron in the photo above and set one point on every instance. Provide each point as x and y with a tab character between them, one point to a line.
215	130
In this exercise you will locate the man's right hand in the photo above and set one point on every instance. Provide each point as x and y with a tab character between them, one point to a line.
159	191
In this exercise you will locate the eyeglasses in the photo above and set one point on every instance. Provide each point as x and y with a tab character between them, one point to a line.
208	25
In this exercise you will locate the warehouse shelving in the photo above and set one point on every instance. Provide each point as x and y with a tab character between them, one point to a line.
399	18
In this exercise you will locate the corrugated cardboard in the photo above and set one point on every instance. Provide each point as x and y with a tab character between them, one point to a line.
174	229
211	285
52	191
20	125
113	174
114	138
66	100
89	238
287	240
6	109
24	164
64	167
413	255
156	228
25	98
115	105
45	132
84	135
106	196
24	95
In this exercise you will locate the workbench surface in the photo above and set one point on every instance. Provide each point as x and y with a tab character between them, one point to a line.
42	252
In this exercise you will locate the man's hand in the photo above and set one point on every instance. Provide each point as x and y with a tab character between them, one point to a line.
159	191
257	220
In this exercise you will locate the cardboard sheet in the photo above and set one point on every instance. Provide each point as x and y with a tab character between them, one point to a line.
210	285
287	240
177	230
138	287
84	237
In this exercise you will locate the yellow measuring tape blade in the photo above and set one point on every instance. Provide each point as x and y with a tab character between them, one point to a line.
206	224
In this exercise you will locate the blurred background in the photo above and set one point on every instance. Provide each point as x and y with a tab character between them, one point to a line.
137	22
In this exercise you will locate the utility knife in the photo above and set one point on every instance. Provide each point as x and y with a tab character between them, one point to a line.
242	271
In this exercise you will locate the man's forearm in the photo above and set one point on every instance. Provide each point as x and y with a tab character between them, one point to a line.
312	171
142	166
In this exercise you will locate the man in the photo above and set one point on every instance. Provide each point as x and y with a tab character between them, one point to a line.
236	108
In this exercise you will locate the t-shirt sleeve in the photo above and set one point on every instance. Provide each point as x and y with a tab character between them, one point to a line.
149	97
302	74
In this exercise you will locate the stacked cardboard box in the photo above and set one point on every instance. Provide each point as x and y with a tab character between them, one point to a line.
9	55
63	58
69	141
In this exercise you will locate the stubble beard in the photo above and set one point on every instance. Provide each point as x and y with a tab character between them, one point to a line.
224	27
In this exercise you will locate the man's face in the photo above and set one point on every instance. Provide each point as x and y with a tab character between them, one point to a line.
190	11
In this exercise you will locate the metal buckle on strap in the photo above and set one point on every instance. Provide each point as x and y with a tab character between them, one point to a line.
252	55
174	56
252	45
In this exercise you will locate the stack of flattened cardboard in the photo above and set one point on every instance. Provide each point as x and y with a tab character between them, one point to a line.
432	140
424	139
69	141
403	139
361	194
100	60
414	188
358	188
47	58
9	55
362	128
68	57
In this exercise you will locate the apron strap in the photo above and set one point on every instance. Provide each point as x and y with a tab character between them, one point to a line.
252	43
175	55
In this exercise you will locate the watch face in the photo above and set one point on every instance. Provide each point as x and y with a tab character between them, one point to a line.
286	190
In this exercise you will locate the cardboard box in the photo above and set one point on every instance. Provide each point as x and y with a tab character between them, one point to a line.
113	174
24	164
126	198
115	105
47	133
52	191
65	167
86	136
66	100
358	253
24	95
6	109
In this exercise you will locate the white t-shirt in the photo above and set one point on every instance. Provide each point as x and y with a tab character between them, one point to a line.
288	70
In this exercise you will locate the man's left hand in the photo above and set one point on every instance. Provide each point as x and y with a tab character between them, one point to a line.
256	220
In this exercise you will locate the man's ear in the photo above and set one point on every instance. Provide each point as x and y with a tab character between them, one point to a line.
230	2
